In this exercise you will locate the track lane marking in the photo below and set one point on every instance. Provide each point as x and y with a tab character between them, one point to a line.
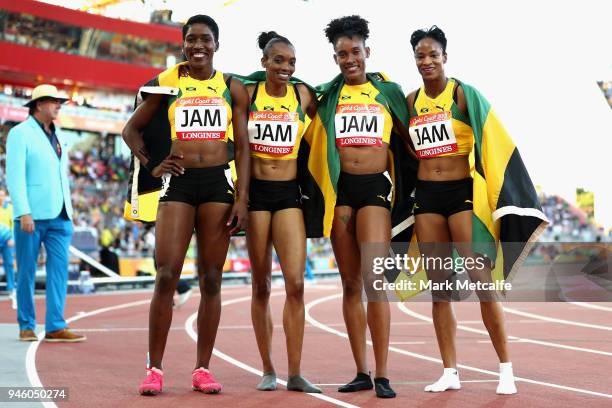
554	320
419	316
191	332
323	327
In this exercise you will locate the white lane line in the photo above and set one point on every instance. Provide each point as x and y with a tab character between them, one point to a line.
553	320
591	306
30	360
419	316
323	327
191	332
407	342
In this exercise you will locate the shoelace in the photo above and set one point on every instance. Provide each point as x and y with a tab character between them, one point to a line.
202	376
152	377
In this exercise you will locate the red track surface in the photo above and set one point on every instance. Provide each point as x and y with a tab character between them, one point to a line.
107	369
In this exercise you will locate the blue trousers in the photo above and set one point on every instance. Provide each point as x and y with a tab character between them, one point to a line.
7	263
55	234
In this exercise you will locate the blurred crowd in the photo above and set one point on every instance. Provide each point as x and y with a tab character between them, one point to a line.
568	223
31	31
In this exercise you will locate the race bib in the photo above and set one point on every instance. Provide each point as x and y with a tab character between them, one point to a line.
200	118
433	135
273	132
359	125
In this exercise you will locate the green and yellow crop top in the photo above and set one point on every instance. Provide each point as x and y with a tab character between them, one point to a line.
361	120
276	124
202	110
437	127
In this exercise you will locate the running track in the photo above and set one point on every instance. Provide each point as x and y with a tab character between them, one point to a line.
562	353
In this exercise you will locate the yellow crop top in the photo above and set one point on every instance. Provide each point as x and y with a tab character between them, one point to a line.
361	120
202	110
437	127
276	125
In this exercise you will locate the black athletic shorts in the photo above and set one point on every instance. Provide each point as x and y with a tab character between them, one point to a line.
443	197
198	186
360	190
269	195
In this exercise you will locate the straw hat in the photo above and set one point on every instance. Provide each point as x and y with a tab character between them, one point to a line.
45	91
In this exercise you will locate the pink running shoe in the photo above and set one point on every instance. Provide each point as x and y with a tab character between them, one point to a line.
152	384
203	380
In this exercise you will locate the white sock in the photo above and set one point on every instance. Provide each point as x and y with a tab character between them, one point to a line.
506	384
448	381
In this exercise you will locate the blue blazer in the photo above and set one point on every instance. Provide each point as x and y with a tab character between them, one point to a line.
37	179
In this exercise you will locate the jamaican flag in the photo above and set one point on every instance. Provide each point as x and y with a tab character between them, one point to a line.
143	189
319	161
507	217
507	213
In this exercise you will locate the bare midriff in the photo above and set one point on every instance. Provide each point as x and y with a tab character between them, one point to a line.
198	154
273	170
444	168
364	159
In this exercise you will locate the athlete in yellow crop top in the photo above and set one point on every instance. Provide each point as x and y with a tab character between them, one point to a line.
276	124
438	128
202	109
197	190
360	119
442	138
362	220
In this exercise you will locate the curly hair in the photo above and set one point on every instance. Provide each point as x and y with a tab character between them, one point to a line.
347	26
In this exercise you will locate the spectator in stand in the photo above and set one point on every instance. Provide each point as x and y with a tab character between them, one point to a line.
7	245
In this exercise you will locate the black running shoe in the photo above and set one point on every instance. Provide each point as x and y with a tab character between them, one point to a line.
383	389
360	383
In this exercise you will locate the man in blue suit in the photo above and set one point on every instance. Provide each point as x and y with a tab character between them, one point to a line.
37	180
